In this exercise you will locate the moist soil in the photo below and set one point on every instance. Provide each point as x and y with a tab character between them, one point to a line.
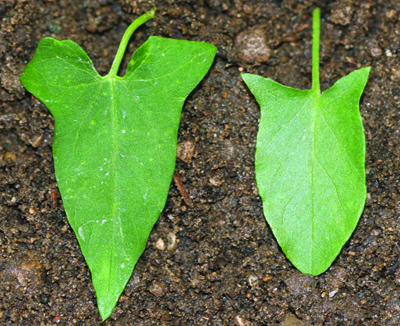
211	259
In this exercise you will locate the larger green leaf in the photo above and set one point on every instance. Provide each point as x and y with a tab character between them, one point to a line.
115	144
310	163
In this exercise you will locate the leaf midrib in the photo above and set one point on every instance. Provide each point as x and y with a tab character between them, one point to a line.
114	158
317	95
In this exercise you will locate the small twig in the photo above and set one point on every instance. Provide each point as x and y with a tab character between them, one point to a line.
296	31
182	190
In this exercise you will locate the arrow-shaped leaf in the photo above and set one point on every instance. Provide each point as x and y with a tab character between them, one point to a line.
115	143
310	163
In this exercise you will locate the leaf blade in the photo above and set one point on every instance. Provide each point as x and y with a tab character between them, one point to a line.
134	122
293	162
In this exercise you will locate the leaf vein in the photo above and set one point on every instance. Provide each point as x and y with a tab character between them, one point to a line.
340	144
289	122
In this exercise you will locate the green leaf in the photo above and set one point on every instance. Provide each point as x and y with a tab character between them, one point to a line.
310	163
115	143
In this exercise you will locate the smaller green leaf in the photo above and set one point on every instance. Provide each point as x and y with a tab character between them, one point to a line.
115	143
310	163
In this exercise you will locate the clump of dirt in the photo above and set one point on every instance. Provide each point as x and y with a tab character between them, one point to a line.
217	262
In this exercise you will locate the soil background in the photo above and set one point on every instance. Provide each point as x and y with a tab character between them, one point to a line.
222	264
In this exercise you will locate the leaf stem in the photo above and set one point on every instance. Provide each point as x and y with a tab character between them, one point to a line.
315	50
125	39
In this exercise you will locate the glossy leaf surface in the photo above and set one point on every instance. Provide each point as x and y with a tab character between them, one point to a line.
310	170
115	145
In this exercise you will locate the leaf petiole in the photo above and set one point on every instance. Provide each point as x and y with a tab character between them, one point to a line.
315	50
125	39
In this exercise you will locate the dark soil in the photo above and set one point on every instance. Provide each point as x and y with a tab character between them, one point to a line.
222	265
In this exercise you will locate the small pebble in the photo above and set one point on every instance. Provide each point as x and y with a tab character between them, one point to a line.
241	321
252	45
391	13
29	272
37	141
185	151
157	288
32	210
342	12
10	156
253	280
64	229
10	79
123	298
160	244
332	293
172	241
376	52
215	182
